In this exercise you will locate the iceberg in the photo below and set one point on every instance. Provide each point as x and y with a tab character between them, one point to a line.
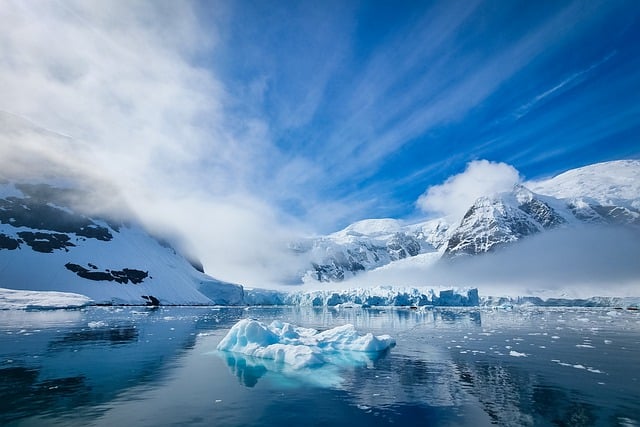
301	347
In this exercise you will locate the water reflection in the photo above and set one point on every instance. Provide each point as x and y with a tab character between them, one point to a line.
450	367
22	391
53	363
114	335
248	370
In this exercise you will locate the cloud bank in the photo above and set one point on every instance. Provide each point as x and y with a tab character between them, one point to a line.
480	178
574	263
110	94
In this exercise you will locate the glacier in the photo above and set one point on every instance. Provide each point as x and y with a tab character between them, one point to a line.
378	296
300	347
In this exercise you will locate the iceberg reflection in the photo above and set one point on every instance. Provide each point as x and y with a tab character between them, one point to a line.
248	369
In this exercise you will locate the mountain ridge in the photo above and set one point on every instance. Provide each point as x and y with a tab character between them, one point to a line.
605	193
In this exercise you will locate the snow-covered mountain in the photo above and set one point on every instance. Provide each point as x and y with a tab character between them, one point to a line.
370	244
604	193
48	244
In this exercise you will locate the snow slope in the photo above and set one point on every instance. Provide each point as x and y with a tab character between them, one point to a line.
608	183
46	245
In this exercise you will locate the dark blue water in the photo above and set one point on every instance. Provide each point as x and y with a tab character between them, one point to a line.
144	367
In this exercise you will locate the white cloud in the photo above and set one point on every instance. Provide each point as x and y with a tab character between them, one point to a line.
573	262
109	92
457	193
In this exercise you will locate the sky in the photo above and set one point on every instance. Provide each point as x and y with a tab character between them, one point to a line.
240	125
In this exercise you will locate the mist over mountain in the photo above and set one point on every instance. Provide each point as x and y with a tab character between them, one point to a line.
580	228
48	243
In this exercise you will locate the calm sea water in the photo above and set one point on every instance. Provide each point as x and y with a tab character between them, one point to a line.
144	367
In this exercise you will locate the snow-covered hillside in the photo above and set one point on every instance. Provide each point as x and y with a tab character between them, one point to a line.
46	244
370	244
603	194
608	183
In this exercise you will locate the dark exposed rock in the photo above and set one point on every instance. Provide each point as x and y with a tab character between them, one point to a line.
542	213
40	215
45	242
335	266
7	242
488	224
402	245
121	276
151	300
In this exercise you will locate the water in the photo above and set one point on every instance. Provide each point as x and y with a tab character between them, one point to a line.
145	367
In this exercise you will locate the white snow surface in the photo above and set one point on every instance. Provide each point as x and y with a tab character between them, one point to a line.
608	183
11	299
300	347
171	278
370	227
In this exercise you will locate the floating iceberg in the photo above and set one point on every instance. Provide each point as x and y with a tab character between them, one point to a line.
301	347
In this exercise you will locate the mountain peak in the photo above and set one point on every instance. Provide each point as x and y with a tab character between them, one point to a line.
604	193
608	183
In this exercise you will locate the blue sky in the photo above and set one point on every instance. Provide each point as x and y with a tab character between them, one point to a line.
242	125
373	102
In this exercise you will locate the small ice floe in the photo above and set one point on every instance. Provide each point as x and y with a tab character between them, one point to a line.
97	324
301	347
11	299
516	354
578	366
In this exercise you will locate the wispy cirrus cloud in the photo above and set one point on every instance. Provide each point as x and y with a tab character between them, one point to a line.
454	79
431	75
573	79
